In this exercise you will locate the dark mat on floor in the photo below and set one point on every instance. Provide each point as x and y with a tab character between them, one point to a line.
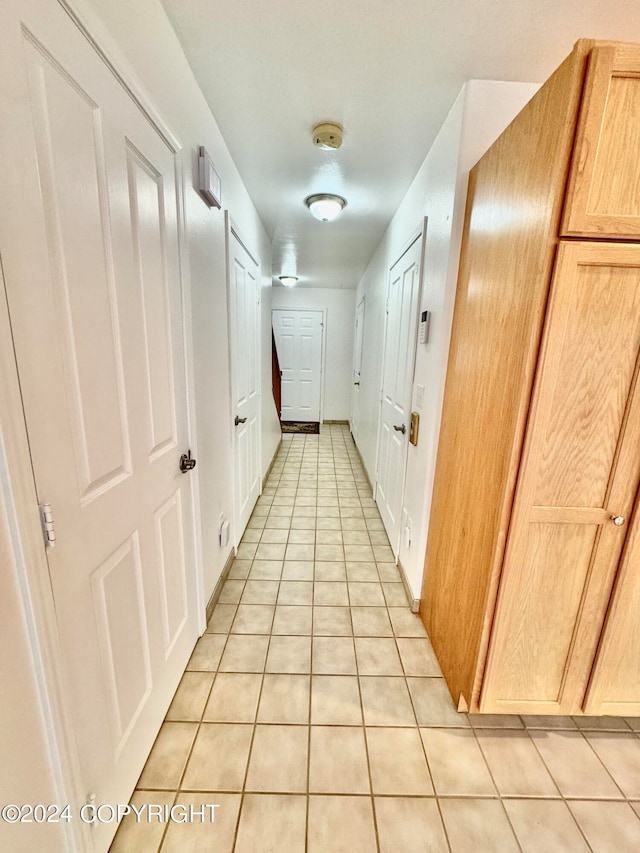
301	426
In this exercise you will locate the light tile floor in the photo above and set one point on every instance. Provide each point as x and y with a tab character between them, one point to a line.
313	711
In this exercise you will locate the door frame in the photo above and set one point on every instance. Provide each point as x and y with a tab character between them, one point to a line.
323	351
17	478
419	233
360	302
231	230
34	583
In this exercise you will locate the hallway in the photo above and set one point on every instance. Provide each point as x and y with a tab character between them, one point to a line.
313	712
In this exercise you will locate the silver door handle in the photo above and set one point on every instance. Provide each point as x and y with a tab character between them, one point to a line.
239	420
618	520
402	428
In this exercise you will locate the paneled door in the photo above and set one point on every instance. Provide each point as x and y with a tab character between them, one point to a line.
299	342
577	487
615	680
602	195
244	319
397	379
90	247
358	341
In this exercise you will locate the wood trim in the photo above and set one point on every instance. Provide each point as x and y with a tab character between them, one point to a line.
414	603
272	463
364	467
215	595
567	515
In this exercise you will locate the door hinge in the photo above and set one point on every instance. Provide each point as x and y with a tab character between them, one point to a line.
48	526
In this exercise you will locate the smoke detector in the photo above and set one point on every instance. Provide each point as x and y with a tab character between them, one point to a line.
328	136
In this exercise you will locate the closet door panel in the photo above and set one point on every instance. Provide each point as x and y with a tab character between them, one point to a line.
615	682
603	197
580	467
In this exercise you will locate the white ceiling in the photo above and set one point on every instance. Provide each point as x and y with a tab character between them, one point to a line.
387	71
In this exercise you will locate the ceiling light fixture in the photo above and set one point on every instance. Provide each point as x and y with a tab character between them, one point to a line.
288	280
325	206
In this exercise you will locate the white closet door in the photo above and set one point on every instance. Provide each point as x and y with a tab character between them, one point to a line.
89	242
357	369
397	378
299	342
244	300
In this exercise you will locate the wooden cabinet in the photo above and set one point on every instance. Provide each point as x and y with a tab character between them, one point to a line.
539	457
603	198
580	466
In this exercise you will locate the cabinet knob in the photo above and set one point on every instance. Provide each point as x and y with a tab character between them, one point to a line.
618	520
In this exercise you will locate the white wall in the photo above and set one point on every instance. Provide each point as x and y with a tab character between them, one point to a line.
481	112
340	308
143	34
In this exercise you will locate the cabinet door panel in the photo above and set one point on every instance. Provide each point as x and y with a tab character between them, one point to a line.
615	682
580	467
603	197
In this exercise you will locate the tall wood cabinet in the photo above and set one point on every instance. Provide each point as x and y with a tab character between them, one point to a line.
531	592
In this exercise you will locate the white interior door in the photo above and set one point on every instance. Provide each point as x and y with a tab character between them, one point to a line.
244	302
397	378
298	336
357	369
89	241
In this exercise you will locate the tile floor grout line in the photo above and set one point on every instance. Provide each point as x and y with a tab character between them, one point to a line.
308	791
592	748
251	743
495	784
165	830
485	797
562	796
366	745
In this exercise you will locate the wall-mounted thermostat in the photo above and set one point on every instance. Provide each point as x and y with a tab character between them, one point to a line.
425	318
209	183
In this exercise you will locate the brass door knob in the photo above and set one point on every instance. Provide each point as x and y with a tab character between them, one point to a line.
618	520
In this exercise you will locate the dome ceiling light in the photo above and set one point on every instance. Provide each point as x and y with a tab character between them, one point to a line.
288	280
325	206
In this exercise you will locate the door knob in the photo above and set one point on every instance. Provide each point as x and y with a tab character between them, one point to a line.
239	420
618	520
356	383
187	463
400	428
